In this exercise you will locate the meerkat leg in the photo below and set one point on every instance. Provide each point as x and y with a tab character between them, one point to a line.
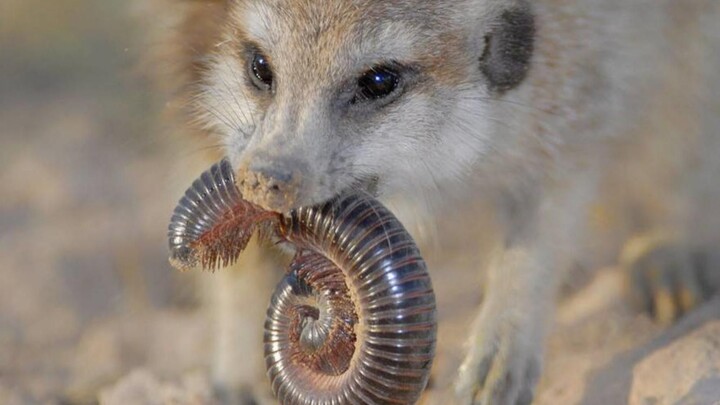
674	267
504	361
505	352
238	299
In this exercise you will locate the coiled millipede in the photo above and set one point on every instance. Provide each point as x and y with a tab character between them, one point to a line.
354	319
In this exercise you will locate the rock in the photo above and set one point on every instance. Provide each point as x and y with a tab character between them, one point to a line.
685	372
141	387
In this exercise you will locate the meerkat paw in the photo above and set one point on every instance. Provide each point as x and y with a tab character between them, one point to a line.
667	278
503	365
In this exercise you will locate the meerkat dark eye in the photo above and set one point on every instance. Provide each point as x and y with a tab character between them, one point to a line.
377	83
260	72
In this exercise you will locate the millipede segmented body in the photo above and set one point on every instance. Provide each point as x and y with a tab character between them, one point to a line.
203	206
354	319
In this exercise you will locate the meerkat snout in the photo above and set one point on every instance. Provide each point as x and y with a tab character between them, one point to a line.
272	184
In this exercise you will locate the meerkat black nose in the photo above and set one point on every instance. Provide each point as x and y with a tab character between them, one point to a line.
272	185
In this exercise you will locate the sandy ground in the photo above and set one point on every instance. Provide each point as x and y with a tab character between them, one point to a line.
86	294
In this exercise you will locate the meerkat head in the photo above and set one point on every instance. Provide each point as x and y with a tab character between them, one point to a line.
313	98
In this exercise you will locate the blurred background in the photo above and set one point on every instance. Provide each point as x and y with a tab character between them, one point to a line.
87	298
86	293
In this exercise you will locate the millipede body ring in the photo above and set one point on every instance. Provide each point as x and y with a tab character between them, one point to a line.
353	320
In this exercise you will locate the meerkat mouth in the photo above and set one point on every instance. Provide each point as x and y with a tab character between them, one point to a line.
367	186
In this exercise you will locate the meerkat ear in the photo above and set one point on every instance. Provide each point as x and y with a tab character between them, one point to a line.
508	49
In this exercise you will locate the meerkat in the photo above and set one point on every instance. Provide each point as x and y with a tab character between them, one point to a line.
530	106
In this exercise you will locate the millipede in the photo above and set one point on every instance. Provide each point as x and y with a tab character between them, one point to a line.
354	318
